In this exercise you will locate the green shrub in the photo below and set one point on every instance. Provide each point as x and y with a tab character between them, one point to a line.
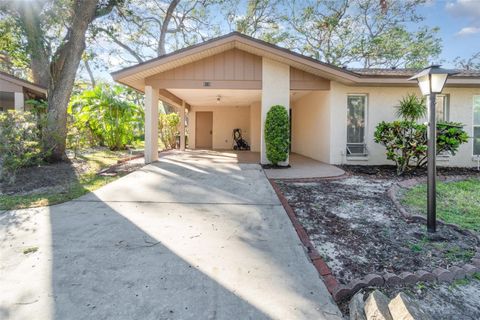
277	134
112	119
168	129
20	144
406	140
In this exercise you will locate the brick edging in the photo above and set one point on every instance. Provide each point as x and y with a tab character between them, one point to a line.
141	155
323	270
341	292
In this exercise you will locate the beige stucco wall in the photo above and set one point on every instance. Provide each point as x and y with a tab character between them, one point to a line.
275	91
381	107
311	126
255	127
225	119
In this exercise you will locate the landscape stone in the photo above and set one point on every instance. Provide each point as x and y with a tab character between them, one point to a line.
392	279
357	307
357	284
458	272
376	306
426	276
374	280
444	275
408	278
341	293
476	262
469	269
404	308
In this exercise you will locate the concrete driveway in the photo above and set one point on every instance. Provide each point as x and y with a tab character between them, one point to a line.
194	236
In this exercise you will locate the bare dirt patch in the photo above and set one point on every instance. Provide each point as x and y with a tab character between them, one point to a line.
60	176
356	227
388	171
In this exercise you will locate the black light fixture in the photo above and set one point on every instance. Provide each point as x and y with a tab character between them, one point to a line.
431	81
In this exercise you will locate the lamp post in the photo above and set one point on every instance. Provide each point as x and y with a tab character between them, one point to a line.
431	81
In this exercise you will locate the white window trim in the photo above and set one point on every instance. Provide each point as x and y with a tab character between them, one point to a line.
365	135
446	97
477	96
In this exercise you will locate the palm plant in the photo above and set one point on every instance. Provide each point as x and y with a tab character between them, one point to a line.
412	108
112	119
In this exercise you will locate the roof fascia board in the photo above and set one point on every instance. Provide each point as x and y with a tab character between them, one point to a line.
23	83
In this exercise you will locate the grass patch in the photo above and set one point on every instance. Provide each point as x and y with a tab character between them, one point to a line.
88	180
458	202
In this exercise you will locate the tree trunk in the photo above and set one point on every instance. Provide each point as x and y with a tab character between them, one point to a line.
164	29
63	69
90	73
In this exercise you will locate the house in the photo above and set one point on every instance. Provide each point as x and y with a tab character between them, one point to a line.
232	81
15	91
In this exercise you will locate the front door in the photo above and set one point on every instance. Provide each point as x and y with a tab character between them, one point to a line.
203	130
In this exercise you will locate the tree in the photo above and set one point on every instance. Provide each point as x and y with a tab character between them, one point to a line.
141	30
13	53
259	19
362	31
54	63
472	63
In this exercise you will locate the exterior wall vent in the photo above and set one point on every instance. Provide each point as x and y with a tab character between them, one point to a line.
207	84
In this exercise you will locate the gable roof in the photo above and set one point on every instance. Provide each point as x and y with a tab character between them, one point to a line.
135	75
24	83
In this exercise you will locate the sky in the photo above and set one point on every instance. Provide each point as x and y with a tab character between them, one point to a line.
459	23
458	20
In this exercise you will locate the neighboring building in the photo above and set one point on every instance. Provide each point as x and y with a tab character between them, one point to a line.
15	91
232	81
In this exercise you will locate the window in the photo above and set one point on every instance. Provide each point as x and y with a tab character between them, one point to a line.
356	125
476	125
442	107
7	101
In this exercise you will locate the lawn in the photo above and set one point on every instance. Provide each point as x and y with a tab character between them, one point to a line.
57	183
457	202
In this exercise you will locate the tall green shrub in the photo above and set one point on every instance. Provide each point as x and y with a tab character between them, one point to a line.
20	144
277	134
112	119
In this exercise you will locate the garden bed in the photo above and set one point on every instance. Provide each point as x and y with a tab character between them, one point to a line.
357	229
58	182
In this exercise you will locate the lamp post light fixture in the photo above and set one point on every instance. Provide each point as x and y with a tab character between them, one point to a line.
431	81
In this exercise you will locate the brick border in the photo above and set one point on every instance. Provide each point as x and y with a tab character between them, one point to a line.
341	292
322	268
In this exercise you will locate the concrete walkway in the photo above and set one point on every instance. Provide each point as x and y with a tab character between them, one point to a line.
190	237
302	167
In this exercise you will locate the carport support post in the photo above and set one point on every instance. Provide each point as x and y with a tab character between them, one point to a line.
182	126
19	101
275	91
151	124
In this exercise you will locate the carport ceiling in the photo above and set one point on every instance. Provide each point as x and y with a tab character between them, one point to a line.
228	97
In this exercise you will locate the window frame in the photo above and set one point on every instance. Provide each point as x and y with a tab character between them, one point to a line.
365	134
446	105
475	96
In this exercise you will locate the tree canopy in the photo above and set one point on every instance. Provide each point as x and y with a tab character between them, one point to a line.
58	42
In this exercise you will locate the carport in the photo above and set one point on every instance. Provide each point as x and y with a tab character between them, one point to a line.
225	83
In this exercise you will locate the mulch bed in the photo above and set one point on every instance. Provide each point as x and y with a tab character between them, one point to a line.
358	230
58	176
388	171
